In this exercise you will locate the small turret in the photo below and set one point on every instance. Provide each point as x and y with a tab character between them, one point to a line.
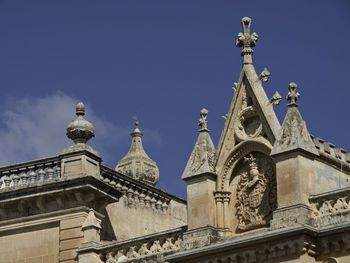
136	163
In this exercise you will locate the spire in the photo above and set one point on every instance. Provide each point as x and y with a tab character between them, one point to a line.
80	131
136	162
247	41
293	134
202	159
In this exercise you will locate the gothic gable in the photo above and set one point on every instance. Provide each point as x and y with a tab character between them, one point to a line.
250	117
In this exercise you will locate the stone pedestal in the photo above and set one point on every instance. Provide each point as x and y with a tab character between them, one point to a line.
295	179
80	164
200	200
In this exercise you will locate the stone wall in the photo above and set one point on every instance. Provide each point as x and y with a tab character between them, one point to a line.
130	220
38	244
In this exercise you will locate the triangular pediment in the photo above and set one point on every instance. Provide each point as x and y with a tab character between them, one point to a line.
250	116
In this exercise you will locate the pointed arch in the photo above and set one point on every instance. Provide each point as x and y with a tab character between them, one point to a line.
241	150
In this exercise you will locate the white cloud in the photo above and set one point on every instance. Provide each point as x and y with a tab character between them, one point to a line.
34	128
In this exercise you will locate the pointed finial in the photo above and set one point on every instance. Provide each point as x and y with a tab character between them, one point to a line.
136	128
247	41
292	96
203	120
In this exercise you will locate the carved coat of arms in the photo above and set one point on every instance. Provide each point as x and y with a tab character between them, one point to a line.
256	194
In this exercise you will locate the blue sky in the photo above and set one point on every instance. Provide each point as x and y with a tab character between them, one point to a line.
164	60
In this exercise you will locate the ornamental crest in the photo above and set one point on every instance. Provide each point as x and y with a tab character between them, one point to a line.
256	192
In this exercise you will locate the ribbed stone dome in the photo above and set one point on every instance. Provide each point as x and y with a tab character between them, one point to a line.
136	162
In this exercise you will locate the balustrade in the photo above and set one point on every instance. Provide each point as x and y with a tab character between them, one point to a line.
135	194
30	173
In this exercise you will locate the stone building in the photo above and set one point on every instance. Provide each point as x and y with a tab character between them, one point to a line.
267	193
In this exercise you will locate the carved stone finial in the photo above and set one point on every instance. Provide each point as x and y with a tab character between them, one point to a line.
265	75
203	120
292	96
276	98
246	40
80	130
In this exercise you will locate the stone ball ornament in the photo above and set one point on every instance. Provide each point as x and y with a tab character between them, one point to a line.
80	130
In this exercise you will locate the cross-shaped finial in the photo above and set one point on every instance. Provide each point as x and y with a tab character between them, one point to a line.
292	96
203	120
246	40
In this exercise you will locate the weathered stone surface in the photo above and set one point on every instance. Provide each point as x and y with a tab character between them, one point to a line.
202	159
256	193
293	134
246	203
136	162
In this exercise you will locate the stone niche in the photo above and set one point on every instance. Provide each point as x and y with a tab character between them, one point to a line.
254	193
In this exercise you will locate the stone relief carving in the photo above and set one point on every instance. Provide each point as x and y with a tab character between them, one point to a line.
203	156
291	131
256	192
293	134
248	124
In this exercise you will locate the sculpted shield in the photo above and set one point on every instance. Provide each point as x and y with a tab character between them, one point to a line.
256	192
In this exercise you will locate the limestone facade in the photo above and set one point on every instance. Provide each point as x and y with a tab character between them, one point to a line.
267	193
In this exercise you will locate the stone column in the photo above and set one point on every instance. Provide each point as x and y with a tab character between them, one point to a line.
219	210
222	199
226	200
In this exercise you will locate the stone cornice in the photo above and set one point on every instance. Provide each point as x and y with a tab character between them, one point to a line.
250	241
41	199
